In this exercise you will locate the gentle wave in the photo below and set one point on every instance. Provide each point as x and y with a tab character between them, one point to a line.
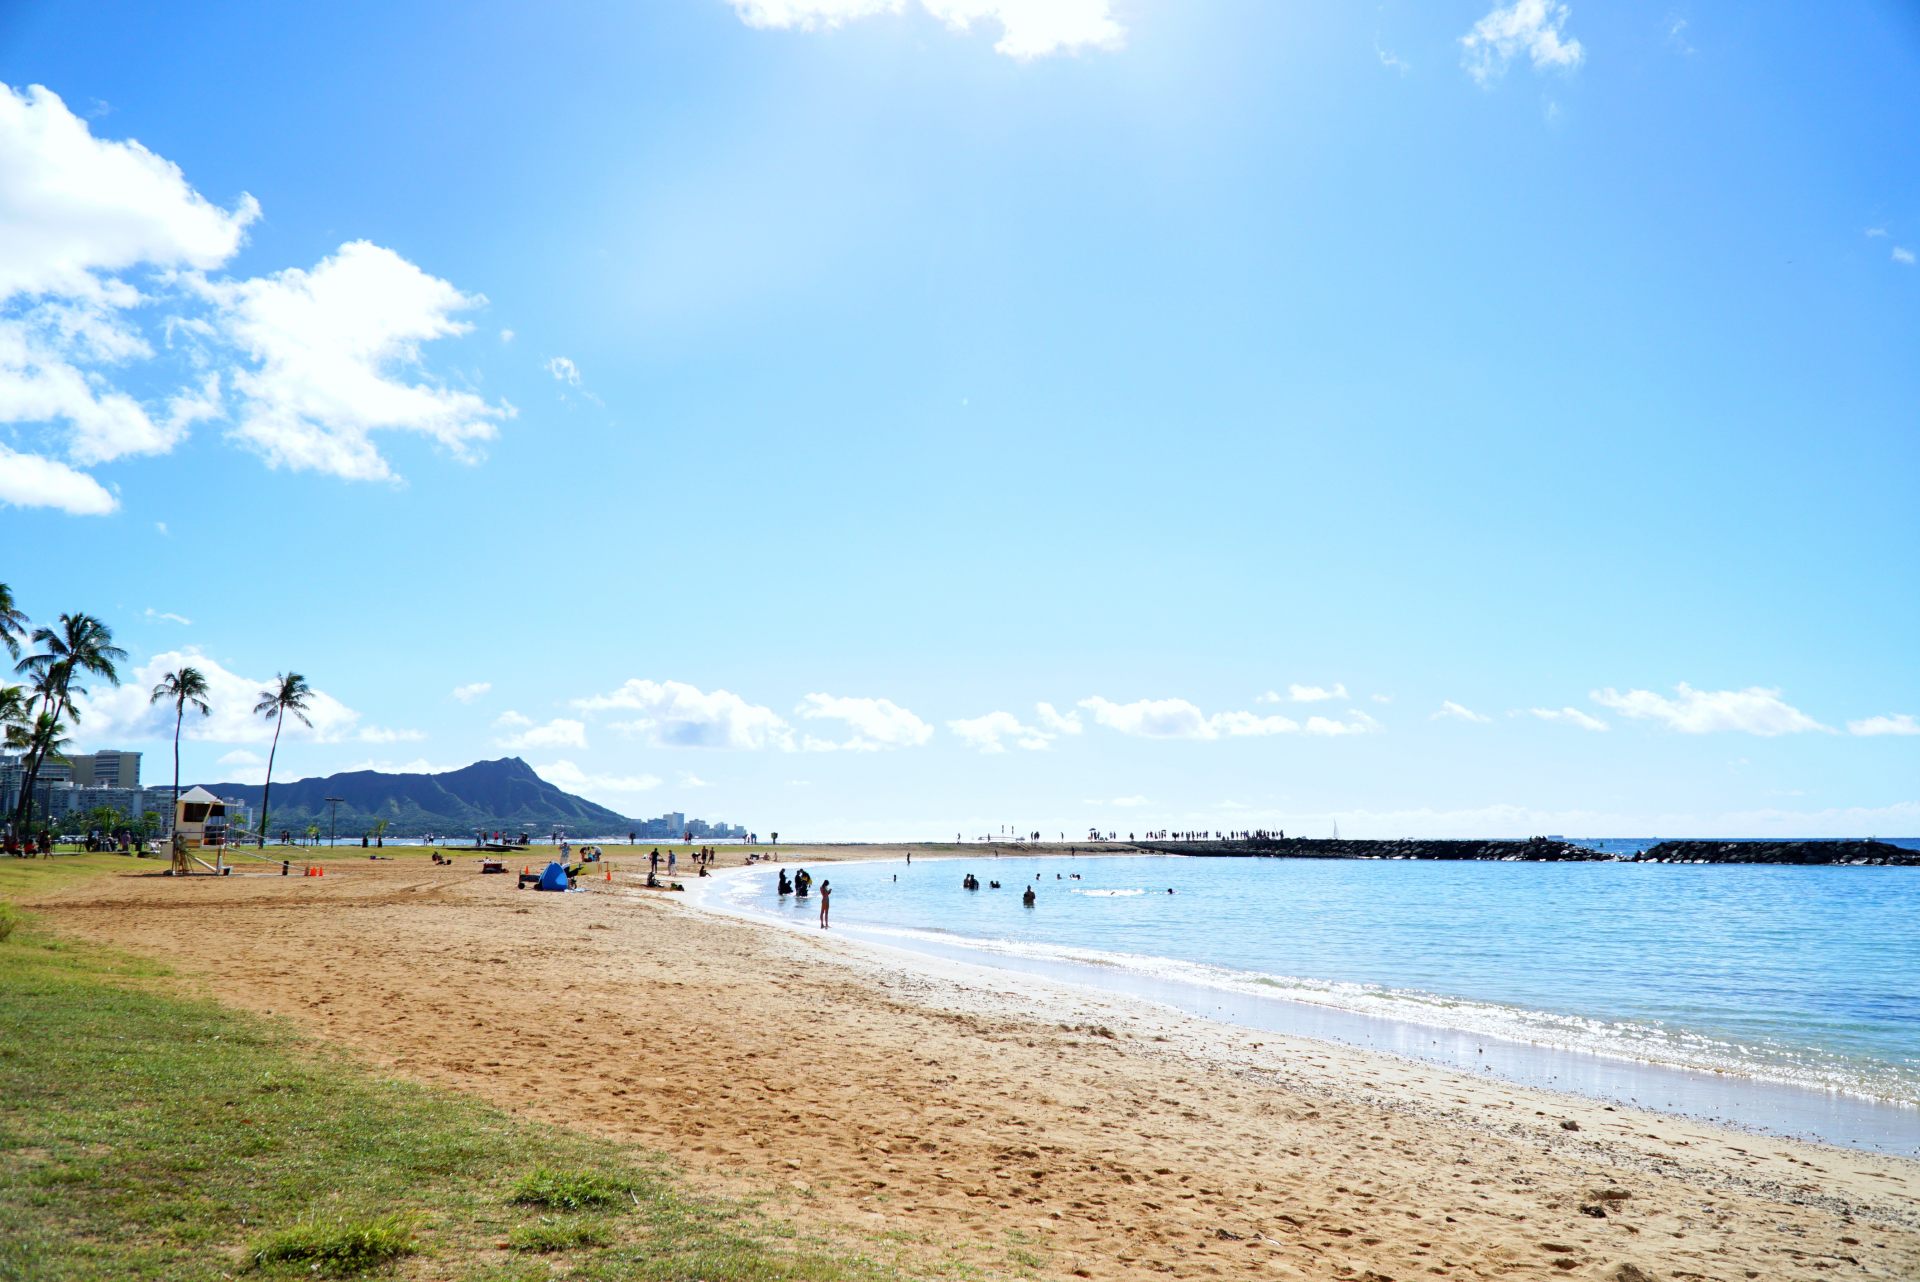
1107	894
1624	1040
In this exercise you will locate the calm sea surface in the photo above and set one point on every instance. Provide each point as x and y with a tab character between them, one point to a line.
1808	977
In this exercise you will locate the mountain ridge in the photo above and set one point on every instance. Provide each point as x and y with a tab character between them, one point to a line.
504	793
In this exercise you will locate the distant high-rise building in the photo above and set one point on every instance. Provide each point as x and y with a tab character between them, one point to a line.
107	768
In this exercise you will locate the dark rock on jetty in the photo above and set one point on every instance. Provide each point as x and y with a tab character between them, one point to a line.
1778	852
1540	849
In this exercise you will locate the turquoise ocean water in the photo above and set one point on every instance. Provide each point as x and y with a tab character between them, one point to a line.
1796	980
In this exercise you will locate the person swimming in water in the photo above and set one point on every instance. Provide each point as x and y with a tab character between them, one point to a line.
1028	898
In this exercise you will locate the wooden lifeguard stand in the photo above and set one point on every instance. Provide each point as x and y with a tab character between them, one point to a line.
199	823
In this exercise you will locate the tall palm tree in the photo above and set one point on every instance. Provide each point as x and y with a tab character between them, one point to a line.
46	742
13	624
186	688
289	695
79	645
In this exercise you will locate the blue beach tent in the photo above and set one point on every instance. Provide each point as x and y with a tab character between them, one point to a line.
554	878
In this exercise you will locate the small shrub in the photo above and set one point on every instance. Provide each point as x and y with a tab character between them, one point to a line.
340	1249
558	1235
570	1190
9	920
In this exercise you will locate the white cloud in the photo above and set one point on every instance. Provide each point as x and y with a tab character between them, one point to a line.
382	734
1357	722
523	732
1903	255
876	723
1029	28
1530	27
992	732
1381	698
75	208
124	713
1900	723
1180	719
1449	710
565	774
164	616
1055	723
33	480
329	346
471	691
418	766
97	233
1309	694
506	336
1124	803
1755	710
1390	60
564	371
688	779
161	526
1873	232
1571	716
242	767
676	714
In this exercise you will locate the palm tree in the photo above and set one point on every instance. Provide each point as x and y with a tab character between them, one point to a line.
380	833
185	688
80	645
13	624
290	695
45	742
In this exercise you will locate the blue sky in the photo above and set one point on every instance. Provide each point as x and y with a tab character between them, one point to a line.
762	408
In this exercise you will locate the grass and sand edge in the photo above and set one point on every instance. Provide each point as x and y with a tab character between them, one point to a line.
147	1134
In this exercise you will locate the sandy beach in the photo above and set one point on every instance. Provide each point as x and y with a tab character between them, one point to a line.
941	1114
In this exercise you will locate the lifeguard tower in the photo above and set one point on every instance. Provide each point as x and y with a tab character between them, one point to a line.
199	823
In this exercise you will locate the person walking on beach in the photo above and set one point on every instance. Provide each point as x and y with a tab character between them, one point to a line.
826	896
653	862
673	857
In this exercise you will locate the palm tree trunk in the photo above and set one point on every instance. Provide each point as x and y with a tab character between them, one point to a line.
179	715
24	814
266	793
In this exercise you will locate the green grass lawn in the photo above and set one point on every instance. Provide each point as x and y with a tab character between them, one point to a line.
146	1135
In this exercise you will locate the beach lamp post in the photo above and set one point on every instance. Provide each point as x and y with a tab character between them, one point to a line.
333	812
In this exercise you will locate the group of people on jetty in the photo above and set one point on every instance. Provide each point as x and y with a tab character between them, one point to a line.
801	884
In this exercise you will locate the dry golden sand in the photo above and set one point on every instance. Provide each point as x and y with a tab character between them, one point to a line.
946	1114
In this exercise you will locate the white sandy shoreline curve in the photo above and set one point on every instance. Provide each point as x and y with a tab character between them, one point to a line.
1734	1096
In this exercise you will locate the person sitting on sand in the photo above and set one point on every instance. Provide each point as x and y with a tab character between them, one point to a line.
826	894
1028	898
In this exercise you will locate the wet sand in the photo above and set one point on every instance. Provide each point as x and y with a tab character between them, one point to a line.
938	1113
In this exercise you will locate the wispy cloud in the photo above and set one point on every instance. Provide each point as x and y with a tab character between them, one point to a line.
1899	723
1451	711
520	732
1755	710
1903	255
1028	28
1570	716
1535	28
1305	694
564	371
471	691
167	616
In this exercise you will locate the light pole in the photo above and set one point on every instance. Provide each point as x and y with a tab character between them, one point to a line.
333	811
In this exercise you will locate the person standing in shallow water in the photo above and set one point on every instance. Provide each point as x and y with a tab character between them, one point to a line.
826	898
